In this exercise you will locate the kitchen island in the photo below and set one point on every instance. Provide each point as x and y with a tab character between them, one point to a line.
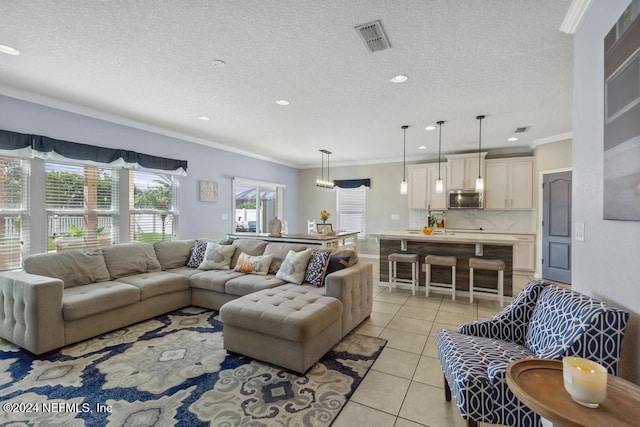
462	245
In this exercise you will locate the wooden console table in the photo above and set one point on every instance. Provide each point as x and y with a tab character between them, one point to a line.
347	239
538	383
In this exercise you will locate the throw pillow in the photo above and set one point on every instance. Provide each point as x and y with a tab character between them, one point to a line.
293	267
217	257
317	268
197	254
337	262
253	264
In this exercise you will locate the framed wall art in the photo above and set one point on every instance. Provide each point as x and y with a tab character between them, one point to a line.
208	191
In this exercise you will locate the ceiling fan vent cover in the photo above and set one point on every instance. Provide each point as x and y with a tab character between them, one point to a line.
373	36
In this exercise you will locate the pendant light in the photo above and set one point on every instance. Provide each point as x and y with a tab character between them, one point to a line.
439	183
403	184
321	183
479	180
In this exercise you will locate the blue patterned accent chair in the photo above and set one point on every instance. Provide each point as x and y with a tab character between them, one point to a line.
544	321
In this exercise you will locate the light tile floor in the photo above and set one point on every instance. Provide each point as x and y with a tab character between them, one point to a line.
404	388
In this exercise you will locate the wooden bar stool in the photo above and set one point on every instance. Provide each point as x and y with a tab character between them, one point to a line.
445	261
394	259
487	264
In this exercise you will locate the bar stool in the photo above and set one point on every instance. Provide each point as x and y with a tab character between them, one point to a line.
487	264
394	259
445	261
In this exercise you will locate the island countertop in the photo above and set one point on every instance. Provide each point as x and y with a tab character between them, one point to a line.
448	237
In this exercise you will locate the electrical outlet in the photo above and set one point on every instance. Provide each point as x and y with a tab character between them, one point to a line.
579	234
395	217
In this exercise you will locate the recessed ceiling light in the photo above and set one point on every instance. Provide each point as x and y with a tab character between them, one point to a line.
283	102
512	139
422	147
400	78
9	50
218	63
430	127
204	118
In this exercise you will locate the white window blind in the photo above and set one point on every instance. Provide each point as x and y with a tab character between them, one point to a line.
82	206
14	211
351	208
154	197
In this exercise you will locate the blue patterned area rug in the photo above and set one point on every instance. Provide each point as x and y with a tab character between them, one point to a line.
173	370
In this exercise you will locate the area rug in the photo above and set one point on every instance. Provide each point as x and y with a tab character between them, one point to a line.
173	370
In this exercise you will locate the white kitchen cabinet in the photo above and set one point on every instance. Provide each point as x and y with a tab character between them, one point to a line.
422	187
509	183
524	253
463	170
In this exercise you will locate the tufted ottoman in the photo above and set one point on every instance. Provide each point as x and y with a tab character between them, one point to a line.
290	326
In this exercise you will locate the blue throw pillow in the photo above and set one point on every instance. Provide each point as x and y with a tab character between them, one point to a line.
337	262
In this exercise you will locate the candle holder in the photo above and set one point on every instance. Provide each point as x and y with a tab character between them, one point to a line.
585	381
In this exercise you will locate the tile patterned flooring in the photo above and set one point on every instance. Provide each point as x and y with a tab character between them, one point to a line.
404	388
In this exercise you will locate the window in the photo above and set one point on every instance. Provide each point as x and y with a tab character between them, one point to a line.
154	215
14	211
351	208
82	206
256	203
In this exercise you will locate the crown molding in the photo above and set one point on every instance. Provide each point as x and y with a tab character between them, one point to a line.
574	16
552	138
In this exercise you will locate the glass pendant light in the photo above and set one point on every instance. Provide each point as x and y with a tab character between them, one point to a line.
403	184
439	183
479	180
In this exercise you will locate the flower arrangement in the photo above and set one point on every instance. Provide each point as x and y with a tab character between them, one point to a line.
324	215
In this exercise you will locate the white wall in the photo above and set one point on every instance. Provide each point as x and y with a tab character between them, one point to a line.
197	219
605	264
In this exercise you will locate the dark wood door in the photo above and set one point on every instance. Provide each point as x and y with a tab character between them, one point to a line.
556	227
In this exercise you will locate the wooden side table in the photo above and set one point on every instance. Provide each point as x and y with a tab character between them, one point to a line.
538	383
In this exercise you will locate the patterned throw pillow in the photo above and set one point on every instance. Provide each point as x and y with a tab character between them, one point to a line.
217	257
253	264
294	265
317	268
197	254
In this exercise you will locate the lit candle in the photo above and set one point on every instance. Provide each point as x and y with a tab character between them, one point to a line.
585	381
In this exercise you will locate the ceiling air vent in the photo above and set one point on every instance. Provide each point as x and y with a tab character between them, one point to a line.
522	129
373	36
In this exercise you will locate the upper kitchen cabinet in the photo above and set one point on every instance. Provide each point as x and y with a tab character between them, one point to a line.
463	170
422	187
509	183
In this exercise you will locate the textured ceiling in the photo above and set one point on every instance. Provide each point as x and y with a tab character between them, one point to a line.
150	64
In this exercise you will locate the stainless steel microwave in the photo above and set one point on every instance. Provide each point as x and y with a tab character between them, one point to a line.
465	199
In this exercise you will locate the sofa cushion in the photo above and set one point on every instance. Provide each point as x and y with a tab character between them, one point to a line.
185	271
279	251
157	283
347	252
248	283
126	259
317	267
173	253
214	280
82	301
253	264
74	268
337	262
217	257
293	267
295	313
559	318
252	247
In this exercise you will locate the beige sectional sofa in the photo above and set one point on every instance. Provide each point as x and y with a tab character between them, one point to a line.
64	297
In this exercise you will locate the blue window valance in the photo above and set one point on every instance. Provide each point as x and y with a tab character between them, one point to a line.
49	148
352	183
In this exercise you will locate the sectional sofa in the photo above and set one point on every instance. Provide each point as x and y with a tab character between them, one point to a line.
65	297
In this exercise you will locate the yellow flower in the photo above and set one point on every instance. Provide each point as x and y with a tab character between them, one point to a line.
324	215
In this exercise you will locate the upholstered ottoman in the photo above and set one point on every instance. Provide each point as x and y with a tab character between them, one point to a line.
290	326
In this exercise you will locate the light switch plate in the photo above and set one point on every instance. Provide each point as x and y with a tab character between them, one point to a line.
579	234
224	217
395	217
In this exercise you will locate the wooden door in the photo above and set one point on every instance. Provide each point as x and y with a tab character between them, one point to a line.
556	227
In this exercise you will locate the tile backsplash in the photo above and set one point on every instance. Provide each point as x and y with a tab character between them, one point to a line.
490	220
